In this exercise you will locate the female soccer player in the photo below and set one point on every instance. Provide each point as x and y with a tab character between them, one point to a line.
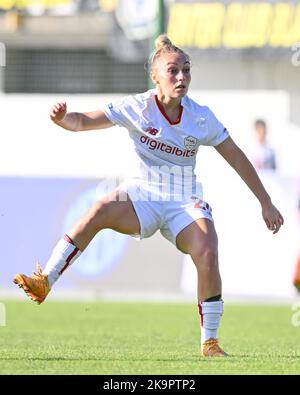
167	127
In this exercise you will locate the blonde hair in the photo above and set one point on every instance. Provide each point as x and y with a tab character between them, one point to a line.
163	45
162	41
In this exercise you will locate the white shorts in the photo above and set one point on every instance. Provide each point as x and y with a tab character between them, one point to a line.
169	216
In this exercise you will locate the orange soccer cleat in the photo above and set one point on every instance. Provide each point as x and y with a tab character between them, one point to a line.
37	286
211	348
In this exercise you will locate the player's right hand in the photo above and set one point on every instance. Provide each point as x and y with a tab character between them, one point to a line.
58	112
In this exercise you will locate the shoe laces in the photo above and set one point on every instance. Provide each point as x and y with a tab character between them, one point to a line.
213	344
38	273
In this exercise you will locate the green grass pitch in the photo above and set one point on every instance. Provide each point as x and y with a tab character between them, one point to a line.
143	338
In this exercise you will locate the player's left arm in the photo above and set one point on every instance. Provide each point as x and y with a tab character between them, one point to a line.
241	164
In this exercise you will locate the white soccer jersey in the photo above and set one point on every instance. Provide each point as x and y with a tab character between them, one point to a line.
161	144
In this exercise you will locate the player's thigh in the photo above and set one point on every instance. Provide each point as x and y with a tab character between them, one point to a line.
115	211
198	238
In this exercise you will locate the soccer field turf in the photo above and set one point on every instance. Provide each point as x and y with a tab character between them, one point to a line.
143	338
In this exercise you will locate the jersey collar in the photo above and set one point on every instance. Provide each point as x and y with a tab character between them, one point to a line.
162	110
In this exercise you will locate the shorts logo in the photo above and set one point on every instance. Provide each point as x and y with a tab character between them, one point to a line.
198	203
151	131
190	142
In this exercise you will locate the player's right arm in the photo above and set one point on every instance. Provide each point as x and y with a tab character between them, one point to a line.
77	121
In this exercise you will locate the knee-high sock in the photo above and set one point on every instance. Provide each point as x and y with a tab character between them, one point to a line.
210	316
63	255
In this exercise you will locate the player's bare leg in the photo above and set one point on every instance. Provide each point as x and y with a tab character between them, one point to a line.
114	211
200	241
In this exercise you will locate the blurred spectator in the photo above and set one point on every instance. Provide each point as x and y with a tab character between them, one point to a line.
262	155
86	5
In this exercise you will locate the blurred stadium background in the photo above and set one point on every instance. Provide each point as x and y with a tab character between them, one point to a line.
246	65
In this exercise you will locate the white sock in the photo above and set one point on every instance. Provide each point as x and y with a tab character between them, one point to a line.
63	255
210	316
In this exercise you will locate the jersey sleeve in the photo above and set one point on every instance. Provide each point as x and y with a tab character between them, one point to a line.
217	133
119	113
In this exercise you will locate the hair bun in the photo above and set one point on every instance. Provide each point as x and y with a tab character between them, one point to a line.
162	41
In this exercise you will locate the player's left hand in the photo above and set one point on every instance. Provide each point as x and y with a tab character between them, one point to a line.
272	217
